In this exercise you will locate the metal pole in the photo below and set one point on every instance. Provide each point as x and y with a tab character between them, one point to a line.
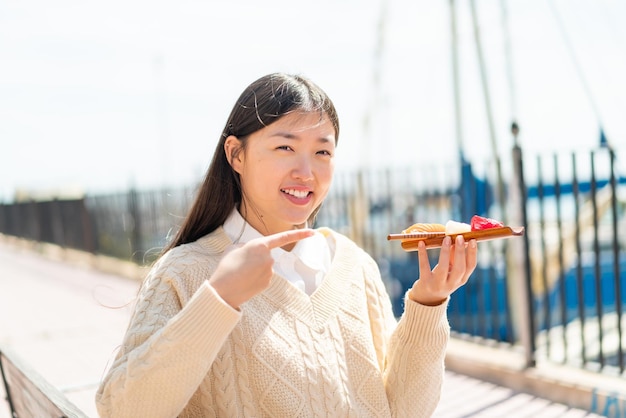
492	131
521	263
455	78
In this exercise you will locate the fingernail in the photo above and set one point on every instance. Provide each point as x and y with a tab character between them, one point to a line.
447	241
473	243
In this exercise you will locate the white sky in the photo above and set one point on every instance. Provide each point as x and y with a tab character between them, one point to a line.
101	95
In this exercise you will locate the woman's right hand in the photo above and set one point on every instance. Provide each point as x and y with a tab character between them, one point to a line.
456	263
247	270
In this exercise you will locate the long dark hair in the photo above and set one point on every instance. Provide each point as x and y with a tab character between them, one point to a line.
262	103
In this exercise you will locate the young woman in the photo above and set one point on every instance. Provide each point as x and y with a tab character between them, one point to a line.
250	313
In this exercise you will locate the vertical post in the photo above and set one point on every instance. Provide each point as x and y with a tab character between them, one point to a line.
560	255
89	235
356	209
4	211
58	227
135	233
597	268
519	260
579	263
616	264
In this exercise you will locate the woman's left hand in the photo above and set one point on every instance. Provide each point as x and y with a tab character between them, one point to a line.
456	263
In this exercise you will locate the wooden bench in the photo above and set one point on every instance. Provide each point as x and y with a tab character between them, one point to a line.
29	395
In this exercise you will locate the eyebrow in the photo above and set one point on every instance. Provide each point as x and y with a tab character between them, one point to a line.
288	135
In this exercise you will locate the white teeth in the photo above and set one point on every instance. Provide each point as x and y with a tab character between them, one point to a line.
297	193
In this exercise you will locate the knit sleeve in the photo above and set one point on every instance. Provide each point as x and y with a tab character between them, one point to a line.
415	361
168	349
412	352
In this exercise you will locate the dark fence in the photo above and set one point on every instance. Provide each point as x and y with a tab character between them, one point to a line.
580	261
65	222
558	291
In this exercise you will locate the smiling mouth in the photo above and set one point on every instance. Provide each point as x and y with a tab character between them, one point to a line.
300	194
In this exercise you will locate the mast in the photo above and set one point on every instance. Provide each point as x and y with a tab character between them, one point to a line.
360	207
487	98
509	70
376	86
455	78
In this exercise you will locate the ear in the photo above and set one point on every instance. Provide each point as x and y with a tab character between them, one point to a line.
232	149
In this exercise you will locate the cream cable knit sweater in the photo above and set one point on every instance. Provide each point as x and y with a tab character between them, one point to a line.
337	353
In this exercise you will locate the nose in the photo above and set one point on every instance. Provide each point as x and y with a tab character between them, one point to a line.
303	170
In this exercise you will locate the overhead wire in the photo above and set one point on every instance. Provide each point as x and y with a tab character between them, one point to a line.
575	62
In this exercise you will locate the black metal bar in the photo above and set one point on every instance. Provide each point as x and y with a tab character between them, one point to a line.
89	236
57	224
36	233
504	252
3	215
391	210
14	221
135	233
579	262
481	309
530	322
597	268
616	263
561	277
547	323
510	336
493	301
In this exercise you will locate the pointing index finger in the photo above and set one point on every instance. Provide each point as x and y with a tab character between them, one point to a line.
286	237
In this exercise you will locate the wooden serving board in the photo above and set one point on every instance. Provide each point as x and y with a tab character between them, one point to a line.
434	240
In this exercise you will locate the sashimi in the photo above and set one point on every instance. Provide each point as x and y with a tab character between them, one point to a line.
478	223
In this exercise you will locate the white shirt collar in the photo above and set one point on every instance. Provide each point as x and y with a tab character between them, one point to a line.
314	252
238	230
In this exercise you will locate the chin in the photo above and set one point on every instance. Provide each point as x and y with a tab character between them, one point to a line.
298	220
300	224
295	217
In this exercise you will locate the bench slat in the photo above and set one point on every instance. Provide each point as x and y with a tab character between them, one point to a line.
32	395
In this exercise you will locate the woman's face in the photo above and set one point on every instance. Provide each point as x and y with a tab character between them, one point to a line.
286	170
